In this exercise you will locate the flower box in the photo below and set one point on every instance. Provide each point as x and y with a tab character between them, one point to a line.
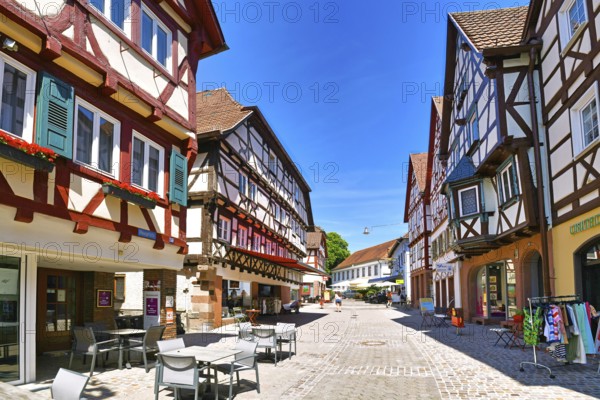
18	155
128	196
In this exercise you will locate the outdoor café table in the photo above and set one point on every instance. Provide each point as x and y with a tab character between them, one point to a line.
205	355
16	393
123	336
252	314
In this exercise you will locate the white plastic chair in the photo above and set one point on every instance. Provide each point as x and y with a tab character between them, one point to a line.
244	361
179	372
266	339
288	336
68	385
149	343
168	345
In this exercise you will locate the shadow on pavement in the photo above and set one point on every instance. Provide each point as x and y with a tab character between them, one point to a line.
477	342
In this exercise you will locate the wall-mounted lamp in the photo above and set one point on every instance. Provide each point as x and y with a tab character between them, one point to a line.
10	44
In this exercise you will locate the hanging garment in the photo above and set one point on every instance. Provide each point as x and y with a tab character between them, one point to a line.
557	316
551	327
531	327
558	351
578	348
584	328
597	341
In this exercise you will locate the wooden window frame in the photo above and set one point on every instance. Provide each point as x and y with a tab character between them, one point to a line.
116	298
30	95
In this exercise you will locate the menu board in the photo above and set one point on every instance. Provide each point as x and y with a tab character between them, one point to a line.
104	298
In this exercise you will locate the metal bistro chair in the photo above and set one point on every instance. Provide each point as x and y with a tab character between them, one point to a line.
85	344
244	361
288	336
164	346
68	385
239	315
245	332
148	344
266	339
179	372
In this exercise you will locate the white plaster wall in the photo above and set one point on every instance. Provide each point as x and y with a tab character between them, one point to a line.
194	222
178	102
81	191
134	291
19	177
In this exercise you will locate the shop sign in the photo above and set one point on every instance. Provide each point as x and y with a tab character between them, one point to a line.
400	281
584	225
443	268
170	316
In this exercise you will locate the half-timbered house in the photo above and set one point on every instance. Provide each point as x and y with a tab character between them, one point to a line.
96	131
491	140
249	213
568	60
446	290
316	256
417	215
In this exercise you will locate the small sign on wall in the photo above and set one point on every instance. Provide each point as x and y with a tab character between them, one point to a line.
169	301
151	309
170	316
104	298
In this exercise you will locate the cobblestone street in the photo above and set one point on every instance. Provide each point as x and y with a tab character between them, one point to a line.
368	351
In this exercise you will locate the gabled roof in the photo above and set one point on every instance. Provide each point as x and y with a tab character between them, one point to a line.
501	27
464	170
378	252
419	164
438	103
217	110
313	239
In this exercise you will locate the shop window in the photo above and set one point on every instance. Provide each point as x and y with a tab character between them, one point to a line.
120	288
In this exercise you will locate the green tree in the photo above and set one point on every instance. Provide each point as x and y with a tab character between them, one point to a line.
337	250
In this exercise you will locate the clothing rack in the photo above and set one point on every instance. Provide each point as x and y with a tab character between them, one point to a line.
541	301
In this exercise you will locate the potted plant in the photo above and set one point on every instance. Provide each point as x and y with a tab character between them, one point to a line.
519	315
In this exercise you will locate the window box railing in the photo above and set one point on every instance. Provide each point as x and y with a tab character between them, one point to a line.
29	154
130	194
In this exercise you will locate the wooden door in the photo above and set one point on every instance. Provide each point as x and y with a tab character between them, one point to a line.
59	308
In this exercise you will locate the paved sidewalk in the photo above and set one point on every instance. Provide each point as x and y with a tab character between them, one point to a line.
368	351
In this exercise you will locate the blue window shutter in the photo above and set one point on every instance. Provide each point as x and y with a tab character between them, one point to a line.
55	108
178	179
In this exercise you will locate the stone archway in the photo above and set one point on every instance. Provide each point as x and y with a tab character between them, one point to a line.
532	275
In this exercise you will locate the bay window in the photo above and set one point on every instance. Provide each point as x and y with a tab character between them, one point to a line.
468	201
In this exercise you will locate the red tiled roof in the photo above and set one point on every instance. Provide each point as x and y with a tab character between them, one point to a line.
217	110
374	253
313	239
439	103
419	165
501	27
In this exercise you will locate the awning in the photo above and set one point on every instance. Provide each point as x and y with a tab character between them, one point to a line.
281	261
391	278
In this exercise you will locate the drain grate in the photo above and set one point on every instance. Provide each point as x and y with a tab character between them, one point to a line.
372	343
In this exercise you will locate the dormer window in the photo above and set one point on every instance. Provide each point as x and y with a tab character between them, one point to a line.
117	11
156	38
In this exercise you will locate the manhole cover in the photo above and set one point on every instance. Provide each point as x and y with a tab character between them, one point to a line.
372	343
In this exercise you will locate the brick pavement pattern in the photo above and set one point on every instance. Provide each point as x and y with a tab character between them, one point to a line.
368	351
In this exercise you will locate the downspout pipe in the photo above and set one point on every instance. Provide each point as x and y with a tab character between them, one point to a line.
539	173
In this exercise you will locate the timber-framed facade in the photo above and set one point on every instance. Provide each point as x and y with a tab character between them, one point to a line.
106	108
249	212
570	85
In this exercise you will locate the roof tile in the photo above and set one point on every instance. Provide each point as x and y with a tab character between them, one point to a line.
501	27
374	253
216	110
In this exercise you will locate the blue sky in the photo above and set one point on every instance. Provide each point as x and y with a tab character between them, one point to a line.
346	86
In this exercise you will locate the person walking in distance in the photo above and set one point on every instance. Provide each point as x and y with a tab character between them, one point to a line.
389	299
338	302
